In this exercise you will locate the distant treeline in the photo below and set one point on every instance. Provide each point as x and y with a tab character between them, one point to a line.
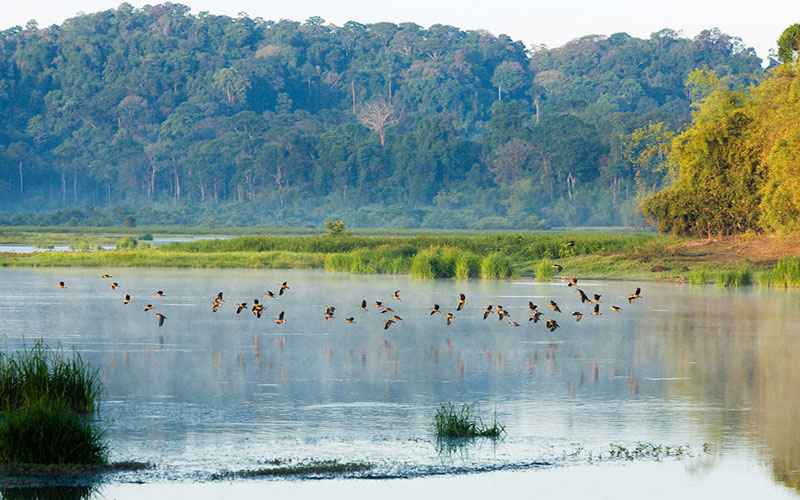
737	167
202	118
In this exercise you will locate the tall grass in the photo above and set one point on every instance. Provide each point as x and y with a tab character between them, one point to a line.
462	423
468	265
698	277
544	270
739	276
785	273
46	400
48	432
495	266
42	373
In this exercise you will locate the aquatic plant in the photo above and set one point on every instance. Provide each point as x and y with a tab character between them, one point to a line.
49	432
495	266
544	270
126	243
468	265
739	276
462	423
698	277
42	373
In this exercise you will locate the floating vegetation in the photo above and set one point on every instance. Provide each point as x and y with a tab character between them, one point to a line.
312	467
463	423
649	450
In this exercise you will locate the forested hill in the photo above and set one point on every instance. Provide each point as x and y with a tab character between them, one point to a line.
186	118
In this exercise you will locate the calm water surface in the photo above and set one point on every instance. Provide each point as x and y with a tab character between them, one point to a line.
715	370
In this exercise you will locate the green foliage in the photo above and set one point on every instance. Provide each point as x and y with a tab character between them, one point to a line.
336	228
49	433
789	43
738	169
698	277
231	121
468	265
495	266
126	243
786	273
432	263
146	237
449	422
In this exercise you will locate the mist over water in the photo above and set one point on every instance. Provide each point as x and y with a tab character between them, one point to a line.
704	367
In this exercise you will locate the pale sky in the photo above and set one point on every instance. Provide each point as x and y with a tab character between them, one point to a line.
553	23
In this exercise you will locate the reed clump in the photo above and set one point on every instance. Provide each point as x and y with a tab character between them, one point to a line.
786	273
463	423
495	266
46	401
739	276
544	270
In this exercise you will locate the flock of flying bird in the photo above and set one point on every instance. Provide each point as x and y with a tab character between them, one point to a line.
533	313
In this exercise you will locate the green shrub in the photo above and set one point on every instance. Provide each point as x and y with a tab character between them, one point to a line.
698	277
741	276
495	266
126	243
146	237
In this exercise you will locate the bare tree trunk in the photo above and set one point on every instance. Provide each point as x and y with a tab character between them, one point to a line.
63	188
536	104
177	185
75	185
202	192
353	91
499	93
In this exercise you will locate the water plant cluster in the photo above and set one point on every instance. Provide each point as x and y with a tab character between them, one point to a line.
452	422
47	400
308	468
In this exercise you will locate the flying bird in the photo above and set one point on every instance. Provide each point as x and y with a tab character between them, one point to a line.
127	299
148	307
552	325
105	276
570	243
552	305
269	294
634	295
280	319
461	301
578	315
596	311
513	323
584	297
435	309
487	311
161	319
596	298
159	293
573	282
531	307
396	295
284	287
388	322
219	298
557	267
113	285
535	318
363	305
61	284
350	320
449	317
241	306
615	308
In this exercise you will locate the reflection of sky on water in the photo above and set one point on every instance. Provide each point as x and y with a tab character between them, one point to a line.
212	391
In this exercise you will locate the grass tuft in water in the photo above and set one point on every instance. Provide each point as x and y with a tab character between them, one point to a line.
698	277
28	376
462	423
48	432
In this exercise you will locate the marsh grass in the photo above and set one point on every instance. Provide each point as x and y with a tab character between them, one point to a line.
463	423
739	276
544	270
495	266
648	450
302	468
49	432
42	373
698	277
468	265
786	273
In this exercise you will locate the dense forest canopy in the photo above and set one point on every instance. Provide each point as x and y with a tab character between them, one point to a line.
184	118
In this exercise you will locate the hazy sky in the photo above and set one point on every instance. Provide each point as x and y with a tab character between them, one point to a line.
758	23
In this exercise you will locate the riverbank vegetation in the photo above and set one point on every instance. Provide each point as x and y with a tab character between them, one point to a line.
452	422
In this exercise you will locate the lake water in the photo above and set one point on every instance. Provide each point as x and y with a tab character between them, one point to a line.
715	371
